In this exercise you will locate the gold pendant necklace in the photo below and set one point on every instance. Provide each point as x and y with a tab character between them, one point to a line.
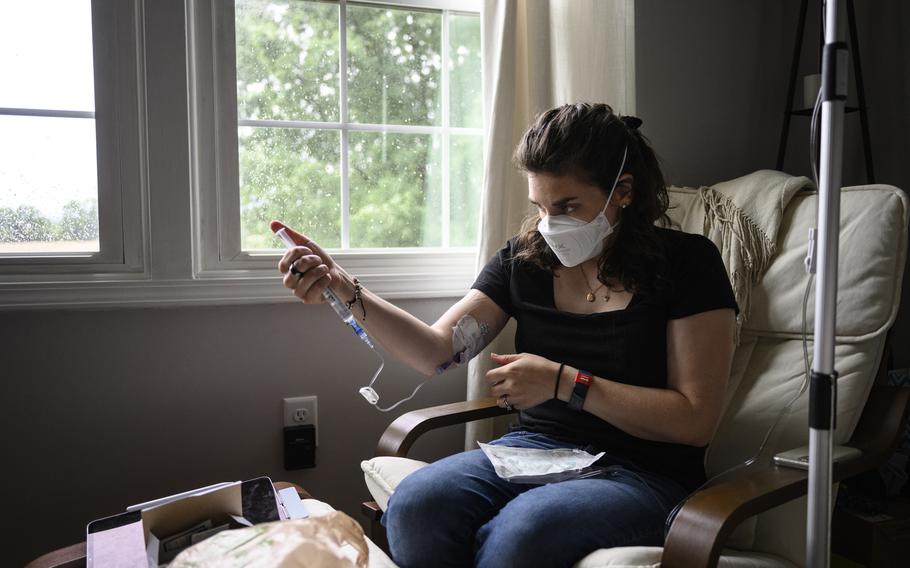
592	293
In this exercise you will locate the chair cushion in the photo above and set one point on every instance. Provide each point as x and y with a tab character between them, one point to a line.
873	247
649	557
384	473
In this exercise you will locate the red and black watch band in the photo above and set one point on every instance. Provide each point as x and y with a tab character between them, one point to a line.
580	390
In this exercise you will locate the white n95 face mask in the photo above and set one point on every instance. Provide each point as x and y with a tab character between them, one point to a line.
574	241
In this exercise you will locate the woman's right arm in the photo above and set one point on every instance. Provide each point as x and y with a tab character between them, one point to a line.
419	345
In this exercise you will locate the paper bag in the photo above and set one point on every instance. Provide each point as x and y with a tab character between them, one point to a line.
334	540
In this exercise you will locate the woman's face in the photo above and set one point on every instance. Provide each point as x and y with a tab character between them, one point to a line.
566	195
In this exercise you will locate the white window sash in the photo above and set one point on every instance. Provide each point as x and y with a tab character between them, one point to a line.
117	126
465	6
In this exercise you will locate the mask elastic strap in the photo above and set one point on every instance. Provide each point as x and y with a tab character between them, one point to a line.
625	153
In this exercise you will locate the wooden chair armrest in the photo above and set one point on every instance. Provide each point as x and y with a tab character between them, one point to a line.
709	516
70	557
404	431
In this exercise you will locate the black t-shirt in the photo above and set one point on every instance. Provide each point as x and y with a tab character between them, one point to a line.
628	346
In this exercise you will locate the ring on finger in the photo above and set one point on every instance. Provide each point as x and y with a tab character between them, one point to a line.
505	403
295	267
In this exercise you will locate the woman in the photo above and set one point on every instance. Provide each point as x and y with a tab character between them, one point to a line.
624	345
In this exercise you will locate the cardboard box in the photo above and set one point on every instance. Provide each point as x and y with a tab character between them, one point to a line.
136	538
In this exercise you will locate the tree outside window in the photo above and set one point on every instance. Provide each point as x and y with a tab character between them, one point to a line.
367	139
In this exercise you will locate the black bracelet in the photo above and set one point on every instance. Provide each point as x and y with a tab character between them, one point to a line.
558	376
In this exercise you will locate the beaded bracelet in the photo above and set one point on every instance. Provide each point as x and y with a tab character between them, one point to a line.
358	297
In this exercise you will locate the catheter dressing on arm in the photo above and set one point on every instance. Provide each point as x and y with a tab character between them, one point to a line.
347	317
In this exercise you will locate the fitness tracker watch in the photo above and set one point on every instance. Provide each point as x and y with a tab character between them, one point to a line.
582	381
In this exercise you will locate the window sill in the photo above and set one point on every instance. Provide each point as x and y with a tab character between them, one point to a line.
391	276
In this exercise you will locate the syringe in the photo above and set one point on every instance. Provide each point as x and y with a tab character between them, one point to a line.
367	392
331	299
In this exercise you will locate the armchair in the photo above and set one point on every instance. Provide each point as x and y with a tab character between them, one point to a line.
756	516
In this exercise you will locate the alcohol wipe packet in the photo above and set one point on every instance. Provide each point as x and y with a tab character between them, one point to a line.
532	465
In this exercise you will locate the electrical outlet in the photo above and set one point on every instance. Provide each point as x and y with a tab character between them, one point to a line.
301	410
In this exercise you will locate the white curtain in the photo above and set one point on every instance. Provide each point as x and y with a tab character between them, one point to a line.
539	54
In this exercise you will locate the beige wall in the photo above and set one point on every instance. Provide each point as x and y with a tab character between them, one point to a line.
103	409
709	85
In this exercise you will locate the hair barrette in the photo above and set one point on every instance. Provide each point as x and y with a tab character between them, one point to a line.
631	122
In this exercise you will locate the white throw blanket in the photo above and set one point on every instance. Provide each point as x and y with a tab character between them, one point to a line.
742	217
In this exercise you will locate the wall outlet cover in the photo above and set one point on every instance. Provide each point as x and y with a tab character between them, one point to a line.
301	411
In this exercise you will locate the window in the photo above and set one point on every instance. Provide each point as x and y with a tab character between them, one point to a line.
47	209
64	173
360	124
151	144
353	119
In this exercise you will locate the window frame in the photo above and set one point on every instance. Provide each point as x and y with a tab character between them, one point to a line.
400	272
159	155
118	122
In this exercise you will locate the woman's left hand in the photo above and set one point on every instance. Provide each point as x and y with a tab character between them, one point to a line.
522	380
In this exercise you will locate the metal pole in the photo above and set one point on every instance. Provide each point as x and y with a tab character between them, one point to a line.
823	386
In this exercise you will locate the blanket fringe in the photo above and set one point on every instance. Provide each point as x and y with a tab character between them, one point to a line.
745	248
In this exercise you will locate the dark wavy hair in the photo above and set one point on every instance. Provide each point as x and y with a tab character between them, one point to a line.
586	141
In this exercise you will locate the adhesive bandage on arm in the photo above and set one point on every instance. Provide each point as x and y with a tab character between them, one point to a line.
468	339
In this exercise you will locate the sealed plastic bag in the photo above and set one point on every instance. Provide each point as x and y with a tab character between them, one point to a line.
532	465
334	540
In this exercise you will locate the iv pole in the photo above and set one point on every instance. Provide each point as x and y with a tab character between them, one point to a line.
823	385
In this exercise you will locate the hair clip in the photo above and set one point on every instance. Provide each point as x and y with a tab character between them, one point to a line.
631	122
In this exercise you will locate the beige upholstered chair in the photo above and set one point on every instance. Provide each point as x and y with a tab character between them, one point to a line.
756	516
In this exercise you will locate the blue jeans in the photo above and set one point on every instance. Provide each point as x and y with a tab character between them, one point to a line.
458	512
